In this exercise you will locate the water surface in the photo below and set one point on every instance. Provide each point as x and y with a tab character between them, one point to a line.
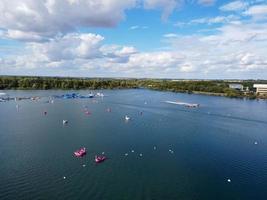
186	153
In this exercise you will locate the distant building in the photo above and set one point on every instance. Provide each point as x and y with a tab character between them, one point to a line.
260	88
236	86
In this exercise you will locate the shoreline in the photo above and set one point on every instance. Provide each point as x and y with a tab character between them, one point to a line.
202	87
147	88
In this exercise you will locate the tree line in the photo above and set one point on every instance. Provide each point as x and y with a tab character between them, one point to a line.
216	87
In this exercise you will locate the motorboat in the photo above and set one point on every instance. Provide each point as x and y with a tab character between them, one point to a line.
127	118
80	153
91	95
65	121
99	159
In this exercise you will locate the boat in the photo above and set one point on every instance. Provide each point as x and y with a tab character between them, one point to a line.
99	159
127	118
80	153
90	95
99	94
65	121
188	105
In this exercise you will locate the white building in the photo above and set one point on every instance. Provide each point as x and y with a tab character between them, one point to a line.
236	86
260	88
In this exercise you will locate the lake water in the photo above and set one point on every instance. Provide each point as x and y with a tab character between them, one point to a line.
187	153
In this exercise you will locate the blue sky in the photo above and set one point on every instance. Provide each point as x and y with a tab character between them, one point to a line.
134	38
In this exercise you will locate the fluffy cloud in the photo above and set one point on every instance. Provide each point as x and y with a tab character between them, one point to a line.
234	50
234	6
53	47
70	46
41	20
257	11
237	47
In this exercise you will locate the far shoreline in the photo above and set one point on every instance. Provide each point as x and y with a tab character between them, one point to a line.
202	87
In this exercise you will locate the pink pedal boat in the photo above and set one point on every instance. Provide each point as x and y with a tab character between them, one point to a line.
80	153
99	159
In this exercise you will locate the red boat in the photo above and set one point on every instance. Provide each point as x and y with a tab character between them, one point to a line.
99	159
80	153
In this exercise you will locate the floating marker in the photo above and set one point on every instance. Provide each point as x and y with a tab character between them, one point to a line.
171	151
229	180
64	177
132	151
155	148
103	153
126	154
84	165
256	142
140	154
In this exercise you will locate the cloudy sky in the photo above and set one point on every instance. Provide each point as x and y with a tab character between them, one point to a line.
134	38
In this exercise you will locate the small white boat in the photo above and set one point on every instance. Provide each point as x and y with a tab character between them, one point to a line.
99	94
189	105
65	121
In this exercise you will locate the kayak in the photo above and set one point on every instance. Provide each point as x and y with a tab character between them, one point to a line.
99	159
80	153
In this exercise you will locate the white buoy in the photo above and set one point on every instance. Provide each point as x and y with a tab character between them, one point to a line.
84	165
126	154
229	180
127	118
256	142
64	177
132	151
155	147
140	154
103	153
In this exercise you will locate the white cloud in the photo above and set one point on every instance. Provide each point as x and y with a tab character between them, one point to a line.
134	27
206	2
187	67
55	48
215	20
138	27
236	50
237	47
170	35
34	20
167	6
234	6
70	46
257	11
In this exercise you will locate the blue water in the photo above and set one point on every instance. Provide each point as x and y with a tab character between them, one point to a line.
186	153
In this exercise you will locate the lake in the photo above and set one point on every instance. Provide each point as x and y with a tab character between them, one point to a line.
164	152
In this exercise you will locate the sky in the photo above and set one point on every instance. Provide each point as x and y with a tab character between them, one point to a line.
189	39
